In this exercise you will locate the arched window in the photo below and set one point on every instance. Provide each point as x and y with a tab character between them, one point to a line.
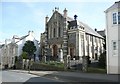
54	32
59	32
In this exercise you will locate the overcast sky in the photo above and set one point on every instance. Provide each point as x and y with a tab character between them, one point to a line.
20	17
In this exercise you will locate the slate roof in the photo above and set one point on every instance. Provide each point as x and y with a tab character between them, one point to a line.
22	38
88	29
115	5
102	33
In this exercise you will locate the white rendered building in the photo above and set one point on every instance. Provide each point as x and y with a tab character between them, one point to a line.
22	40
113	38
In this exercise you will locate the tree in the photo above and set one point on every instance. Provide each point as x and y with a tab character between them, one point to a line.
29	48
24	55
102	60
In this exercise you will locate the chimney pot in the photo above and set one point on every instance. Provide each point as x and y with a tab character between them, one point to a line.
95	29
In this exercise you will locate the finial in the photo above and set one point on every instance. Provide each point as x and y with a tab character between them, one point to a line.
65	9
75	17
56	8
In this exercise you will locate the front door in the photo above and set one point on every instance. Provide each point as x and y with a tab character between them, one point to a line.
72	52
55	52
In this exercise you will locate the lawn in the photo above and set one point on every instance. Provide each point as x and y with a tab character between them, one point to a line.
96	70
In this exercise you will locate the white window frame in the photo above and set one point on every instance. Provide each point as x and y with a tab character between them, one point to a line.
114	51
113	18
118	16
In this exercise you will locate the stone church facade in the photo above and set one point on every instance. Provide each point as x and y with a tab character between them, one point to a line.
71	36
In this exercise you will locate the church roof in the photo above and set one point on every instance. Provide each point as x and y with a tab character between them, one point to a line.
88	29
23	37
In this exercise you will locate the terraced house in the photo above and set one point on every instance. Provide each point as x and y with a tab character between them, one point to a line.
13	47
69	36
113	38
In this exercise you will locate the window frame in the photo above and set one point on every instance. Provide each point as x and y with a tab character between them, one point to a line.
114	18
114	45
118	17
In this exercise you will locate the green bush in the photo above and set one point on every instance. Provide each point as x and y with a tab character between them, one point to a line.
16	59
102	60
24	55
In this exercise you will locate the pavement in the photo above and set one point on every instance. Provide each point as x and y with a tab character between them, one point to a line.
12	77
74	76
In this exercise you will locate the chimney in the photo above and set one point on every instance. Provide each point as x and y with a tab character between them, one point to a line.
65	13
95	29
46	19
117	2
31	33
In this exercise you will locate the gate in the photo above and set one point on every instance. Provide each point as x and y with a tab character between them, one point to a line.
75	63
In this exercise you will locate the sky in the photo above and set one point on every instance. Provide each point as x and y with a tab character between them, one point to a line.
18	17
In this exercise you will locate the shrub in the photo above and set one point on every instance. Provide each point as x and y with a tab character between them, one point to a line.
47	66
24	55
16	59
102	60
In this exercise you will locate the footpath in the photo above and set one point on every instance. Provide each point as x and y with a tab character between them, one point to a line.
73	76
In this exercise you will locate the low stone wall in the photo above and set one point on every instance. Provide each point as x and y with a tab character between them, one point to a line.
18	66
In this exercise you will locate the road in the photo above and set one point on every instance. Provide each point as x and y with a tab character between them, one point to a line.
8	76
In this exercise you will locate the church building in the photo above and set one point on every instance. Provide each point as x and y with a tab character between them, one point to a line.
70	36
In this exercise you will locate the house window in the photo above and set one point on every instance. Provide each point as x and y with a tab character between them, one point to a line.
90	38
114	46
114	18
61	45
91	48
118	17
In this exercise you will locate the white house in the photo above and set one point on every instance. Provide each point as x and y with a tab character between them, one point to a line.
8	51
113	38
22	40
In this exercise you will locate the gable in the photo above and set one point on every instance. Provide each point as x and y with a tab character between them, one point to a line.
55	17
114	6
57	20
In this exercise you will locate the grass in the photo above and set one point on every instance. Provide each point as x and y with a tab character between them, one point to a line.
55	63
96	70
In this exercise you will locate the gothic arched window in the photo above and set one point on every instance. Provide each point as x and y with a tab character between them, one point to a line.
59	32
54	32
